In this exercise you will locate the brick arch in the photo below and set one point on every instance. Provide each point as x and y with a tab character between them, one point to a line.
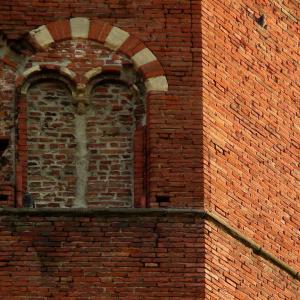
44	72
112	38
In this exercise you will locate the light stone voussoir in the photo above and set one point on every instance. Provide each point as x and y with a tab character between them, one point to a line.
80	27
92	73
157	84
116	38
143	57
42	36
31	70
67	72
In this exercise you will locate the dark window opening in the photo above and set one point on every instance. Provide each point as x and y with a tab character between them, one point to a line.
162	198
3	145
3	197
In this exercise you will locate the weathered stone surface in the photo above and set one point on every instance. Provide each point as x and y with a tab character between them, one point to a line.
42	36
93	72
157	84
67	72
143	57
82	161
80	27
31	70
116	38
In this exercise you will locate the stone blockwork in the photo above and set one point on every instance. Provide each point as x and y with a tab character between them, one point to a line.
101	256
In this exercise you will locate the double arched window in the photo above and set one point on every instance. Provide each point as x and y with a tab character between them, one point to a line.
81	133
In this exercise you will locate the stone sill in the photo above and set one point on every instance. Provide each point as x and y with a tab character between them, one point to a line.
100	211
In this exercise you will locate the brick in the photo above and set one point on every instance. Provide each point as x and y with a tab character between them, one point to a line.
60	30
152	69
223	138
80	266
99	30
8	61
131	46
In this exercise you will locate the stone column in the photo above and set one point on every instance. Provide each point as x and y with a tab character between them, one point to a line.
81	154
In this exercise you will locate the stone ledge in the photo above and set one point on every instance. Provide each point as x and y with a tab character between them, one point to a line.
97	211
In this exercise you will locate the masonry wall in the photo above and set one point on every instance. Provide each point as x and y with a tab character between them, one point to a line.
101	256
51	145
222	138
234	271
251	103
7	93
112	119
171	31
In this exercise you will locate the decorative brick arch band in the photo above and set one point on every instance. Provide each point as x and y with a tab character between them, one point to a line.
112	38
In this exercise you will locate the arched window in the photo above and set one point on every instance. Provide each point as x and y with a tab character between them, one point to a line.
114	113
51	175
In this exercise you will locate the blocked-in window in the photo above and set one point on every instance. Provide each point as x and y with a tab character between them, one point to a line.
86	158
51	143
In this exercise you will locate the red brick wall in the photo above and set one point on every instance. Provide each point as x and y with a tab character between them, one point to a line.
6	125
233	271
101	256
251	102
231	108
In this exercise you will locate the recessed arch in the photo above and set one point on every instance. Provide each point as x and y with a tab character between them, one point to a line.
137	89
114	117
51	106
